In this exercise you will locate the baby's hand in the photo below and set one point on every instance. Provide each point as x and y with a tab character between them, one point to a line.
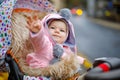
34	24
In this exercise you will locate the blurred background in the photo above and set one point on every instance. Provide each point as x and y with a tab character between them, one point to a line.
105	9
97	26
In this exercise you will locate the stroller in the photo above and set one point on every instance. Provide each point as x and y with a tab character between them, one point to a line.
107	68
19	45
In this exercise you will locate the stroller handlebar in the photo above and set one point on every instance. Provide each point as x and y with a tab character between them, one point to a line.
104	69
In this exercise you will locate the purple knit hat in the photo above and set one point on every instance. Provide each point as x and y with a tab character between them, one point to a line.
38	5
6	7
65	15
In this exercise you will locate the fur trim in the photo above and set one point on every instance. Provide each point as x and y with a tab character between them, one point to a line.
63	69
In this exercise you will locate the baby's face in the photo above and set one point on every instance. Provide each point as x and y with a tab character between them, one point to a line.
58	30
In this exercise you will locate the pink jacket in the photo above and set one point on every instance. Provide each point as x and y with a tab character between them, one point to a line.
43	45
43	50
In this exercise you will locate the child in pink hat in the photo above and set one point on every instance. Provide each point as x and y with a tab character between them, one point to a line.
53	29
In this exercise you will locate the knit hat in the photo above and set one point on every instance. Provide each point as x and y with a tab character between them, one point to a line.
65	15
37	5
6	7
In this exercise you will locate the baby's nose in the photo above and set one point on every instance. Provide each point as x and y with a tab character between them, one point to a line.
57	30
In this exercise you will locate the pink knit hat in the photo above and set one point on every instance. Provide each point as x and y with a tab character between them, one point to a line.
37	5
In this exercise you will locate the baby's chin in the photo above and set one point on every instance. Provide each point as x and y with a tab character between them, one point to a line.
57	40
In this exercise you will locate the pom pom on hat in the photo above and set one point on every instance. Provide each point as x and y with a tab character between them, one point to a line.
65	13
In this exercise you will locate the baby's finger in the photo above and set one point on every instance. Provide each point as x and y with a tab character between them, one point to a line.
35	17
29	19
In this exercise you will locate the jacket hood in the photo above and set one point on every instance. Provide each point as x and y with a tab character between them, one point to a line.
70	41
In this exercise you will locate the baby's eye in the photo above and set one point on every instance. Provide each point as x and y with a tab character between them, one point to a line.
52	27
62	30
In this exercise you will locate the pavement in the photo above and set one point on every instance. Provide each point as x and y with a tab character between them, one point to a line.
106	23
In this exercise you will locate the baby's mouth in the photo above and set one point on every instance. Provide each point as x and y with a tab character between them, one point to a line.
55	36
